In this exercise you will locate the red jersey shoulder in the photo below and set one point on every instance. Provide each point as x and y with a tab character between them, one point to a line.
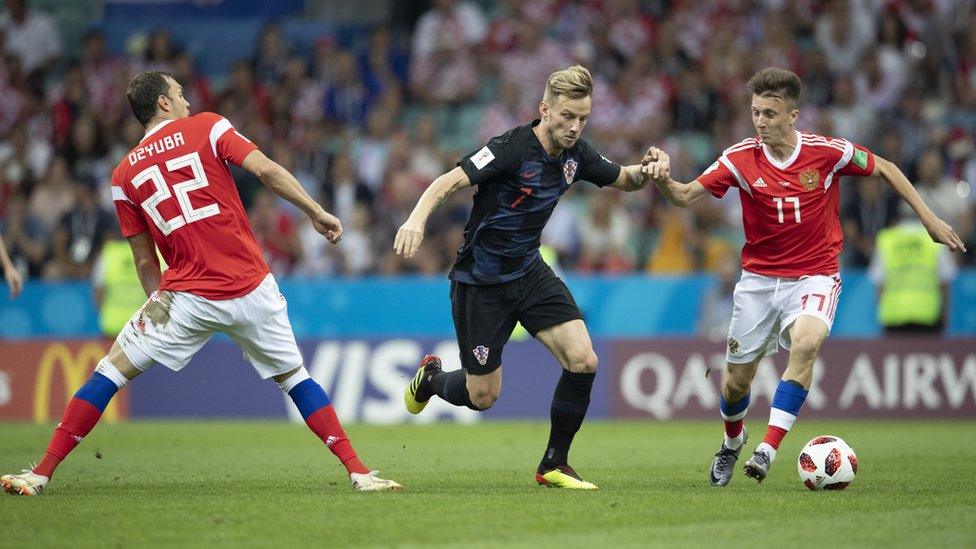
748	144
827	147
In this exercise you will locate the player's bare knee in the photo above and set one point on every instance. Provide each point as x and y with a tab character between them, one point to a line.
736	387
483	399
122	363
583	362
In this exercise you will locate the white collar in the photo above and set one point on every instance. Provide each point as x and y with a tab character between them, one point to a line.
155	129
786	163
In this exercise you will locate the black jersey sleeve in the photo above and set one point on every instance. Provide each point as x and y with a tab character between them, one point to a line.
497	159
595	167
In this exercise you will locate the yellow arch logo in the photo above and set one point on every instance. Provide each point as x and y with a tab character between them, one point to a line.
75	368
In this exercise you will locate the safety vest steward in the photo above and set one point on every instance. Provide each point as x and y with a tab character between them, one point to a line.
123	292
911	293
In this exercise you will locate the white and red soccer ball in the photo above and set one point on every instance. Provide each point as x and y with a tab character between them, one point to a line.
827	463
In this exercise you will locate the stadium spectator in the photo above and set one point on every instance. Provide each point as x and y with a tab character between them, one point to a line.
10	273
78	238
444	69
843	32
160	50
942	193
347	99
32	36
342	191
710	47
604	232
26	239
275	232
53	196
871	209
271	56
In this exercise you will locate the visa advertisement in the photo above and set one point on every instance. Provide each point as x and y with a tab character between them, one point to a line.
649	379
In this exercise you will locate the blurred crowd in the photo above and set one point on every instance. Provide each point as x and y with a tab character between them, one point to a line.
366	126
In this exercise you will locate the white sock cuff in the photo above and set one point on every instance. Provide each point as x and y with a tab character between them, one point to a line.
736	417
294	379
780	418
107	369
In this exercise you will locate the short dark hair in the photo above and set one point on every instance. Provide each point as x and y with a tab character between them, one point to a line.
144	90
776	82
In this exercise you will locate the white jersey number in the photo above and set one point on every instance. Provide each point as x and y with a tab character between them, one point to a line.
795	200
182	190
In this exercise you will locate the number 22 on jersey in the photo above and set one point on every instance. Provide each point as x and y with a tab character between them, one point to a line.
182	191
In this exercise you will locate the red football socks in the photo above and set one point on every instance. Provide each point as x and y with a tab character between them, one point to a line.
774	436
79	419
325	424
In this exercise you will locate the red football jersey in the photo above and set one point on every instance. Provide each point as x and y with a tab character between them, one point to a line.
176	184
790	209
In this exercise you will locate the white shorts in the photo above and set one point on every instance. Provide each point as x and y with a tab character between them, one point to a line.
257	322
764	308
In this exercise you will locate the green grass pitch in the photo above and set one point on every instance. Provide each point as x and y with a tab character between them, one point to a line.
274	484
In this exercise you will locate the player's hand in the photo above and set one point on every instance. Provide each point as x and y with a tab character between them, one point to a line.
408	238
328	226
941	232
14	281
656	164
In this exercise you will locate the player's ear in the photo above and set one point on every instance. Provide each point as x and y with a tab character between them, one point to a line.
794	115
544	111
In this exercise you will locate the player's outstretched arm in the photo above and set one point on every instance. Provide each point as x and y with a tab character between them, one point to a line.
281	182
146	261
10	272
411	233
631	178
657	166
939	230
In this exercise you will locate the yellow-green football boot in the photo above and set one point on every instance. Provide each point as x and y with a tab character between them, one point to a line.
418	393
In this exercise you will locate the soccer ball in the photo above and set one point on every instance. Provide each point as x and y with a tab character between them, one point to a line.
827	463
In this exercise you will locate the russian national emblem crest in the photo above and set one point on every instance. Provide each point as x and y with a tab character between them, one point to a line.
733	346
810	179
569	170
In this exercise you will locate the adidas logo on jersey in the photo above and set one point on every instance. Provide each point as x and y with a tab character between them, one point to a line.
759	183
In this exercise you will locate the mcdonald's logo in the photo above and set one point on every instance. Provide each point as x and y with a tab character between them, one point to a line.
75	369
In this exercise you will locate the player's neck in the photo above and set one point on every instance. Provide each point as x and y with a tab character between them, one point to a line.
156	121
543	136
783	149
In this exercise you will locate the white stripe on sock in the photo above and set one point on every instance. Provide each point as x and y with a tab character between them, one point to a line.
293	380
781	418
107	369
736	417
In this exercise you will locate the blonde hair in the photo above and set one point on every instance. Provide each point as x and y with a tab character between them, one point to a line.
572	83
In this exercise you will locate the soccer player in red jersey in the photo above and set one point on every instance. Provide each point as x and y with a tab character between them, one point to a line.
788	183
174	191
